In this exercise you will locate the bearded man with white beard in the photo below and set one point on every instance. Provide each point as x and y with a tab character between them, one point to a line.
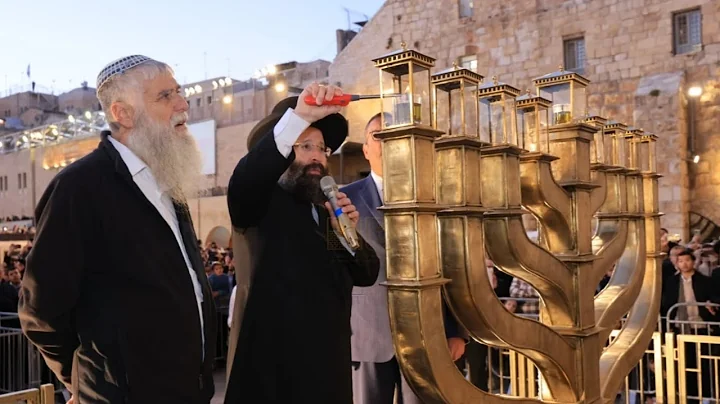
114	295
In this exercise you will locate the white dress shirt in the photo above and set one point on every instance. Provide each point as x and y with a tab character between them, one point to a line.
378	183
145	180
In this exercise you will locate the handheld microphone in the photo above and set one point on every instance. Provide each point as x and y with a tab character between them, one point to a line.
330	189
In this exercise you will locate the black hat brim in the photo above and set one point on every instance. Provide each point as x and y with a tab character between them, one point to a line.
334	127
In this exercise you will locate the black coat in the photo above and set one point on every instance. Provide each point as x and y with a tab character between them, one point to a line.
294	340
107	297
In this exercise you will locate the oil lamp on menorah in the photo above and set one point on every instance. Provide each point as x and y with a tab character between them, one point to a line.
458	176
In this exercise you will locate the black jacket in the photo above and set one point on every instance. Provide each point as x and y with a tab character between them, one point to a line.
704	291
294	339
107	297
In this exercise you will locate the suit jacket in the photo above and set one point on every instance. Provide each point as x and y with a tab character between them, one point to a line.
107	297
293	341
371	339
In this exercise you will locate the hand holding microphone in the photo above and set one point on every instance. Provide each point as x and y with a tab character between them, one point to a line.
343	214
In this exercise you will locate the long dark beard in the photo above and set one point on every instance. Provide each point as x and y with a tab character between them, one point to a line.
304	186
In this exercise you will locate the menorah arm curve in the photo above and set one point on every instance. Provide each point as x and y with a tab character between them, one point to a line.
511	250
422	351
626	282
471	298
599	194
626	350
550	203
608	246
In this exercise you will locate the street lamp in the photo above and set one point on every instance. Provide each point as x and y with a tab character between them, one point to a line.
695	91
279	87
227	99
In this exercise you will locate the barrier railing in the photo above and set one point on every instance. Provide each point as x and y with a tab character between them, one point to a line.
680	364
22	366
45	394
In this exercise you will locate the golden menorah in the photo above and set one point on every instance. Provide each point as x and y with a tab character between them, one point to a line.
463	161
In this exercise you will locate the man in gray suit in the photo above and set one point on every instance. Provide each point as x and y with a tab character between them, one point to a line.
376	373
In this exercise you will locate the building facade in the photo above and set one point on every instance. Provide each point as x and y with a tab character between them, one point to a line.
642	57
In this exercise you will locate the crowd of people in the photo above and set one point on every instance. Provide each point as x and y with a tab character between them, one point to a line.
12	271
691	283
220	270
16	225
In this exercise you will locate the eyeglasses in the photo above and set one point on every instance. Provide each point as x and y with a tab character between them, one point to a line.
311	147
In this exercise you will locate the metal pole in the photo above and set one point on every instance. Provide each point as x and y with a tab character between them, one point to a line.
691	126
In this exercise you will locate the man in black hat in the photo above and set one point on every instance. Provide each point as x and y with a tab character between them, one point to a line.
293	343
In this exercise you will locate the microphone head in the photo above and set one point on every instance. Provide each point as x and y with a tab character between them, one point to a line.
327	183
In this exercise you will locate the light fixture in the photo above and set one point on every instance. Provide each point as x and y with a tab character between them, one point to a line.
227	99
222	82
696	159
88	115
279	87
271	69
71	119
2	121
215	84
198	89
228	81
695	91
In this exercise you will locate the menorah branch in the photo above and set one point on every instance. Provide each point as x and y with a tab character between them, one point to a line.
422	352
471	298
512	251
626	350
599	194
547	201
608	246
626	282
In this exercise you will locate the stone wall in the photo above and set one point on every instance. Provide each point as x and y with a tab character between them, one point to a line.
627	42
705	176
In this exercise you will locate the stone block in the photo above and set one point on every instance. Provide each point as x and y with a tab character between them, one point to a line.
665	194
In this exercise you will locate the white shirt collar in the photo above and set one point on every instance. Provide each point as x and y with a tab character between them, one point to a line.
378	182
132	161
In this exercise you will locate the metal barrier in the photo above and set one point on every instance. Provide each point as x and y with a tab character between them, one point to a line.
22	364
692	356
223	333
686	348
45	394
680	365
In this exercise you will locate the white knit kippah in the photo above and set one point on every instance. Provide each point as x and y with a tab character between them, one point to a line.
120	66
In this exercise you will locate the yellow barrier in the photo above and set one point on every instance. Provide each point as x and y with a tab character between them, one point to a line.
43	395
